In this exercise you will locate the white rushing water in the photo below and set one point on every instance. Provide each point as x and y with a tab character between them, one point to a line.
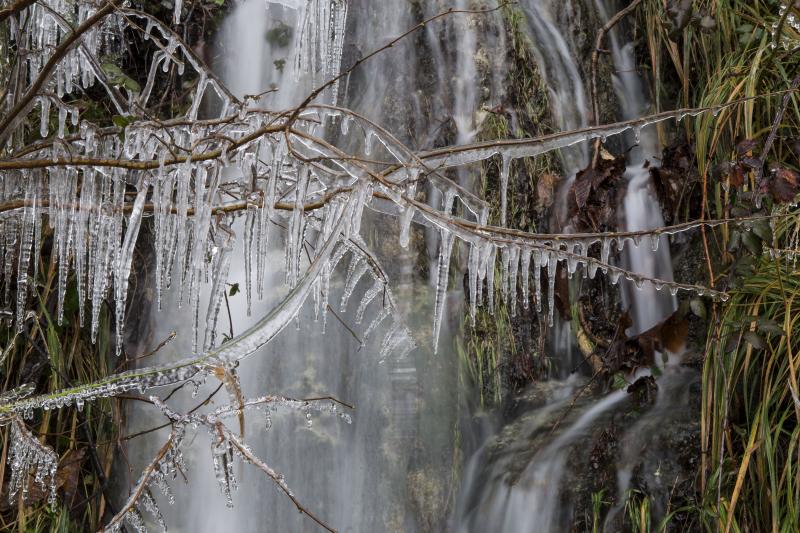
567	97
642	210
371	475
534	502
385	471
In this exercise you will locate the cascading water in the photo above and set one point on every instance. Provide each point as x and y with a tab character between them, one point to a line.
561	73
391	434
531	501
275	209
641	208
373	475
494	497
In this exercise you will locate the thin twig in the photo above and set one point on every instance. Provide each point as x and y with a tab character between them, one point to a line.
613	21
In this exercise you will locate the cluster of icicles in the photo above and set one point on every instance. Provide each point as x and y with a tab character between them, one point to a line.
225	447
195	176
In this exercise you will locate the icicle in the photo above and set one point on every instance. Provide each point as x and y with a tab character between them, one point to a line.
124	260
251	233
221	268
164	226
654	242
505	169
182	177
324	294
472	274
504	262
442	279
491	257
265	216
65	217
62	120
405	225
552	263
222	457
512	277
380	317
26	242
605	251
525	266
355	271
177	11
370	295
44	120
83	236
297	226
363	195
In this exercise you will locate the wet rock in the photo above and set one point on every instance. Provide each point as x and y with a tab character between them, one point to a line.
643	391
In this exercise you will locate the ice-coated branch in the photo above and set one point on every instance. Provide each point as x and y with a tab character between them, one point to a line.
229	353
226	445
166	462
455	156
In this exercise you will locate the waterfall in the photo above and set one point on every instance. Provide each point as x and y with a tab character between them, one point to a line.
567	97
641	208
531	502
492	498
372	475
384	472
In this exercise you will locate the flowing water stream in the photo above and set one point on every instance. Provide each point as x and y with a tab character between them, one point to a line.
495	496
385	470
392	468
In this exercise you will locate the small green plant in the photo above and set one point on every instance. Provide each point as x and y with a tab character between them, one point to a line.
598	505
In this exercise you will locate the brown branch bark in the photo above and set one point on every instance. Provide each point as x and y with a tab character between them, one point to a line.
15	8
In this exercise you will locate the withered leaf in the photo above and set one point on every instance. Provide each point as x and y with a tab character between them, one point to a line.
721	170
708	24
698	307
68	473
674	332
763	229
783	185
745	146
582	187
753	243
755	340
680	14
736	176
562	293
545	188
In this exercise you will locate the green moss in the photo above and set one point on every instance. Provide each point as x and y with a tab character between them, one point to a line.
280	35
